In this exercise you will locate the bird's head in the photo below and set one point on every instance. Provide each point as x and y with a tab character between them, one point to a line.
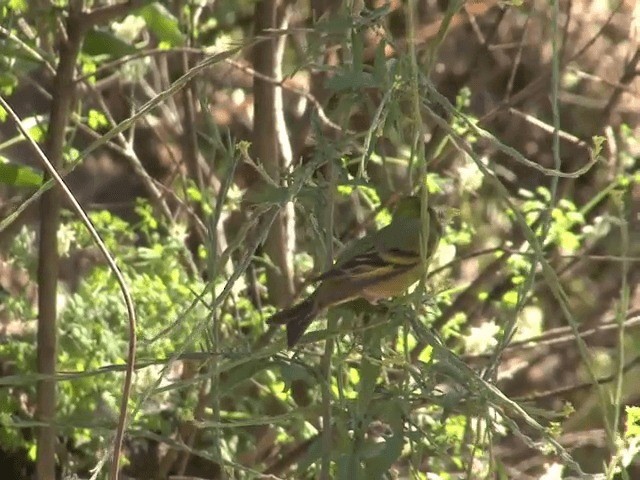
410	208
407	207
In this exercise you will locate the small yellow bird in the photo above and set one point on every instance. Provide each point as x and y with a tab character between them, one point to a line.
379	265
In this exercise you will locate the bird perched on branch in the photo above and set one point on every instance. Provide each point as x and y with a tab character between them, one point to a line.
379	265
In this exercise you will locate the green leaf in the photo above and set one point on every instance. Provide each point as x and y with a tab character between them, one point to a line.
32	452
350	81
357	51
19	175
380	63
633	421
96	119
162	23
267	194
243	373
18	6
369	370
8	83
382	456
290	372
313	454
334	24
100	42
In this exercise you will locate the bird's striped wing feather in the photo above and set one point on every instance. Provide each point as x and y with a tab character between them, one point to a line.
371	264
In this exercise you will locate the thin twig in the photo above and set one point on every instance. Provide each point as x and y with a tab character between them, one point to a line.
131	357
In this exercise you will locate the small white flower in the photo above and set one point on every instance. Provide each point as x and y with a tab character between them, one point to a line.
482	339
129	29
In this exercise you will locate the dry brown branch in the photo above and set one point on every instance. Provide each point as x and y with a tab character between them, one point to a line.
267	151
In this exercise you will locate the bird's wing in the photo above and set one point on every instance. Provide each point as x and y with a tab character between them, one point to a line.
391	249
370	264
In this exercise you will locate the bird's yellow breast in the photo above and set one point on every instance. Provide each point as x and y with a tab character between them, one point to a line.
392	286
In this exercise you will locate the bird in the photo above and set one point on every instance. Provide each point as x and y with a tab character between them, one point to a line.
382	264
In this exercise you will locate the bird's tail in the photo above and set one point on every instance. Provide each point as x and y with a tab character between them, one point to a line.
296	318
